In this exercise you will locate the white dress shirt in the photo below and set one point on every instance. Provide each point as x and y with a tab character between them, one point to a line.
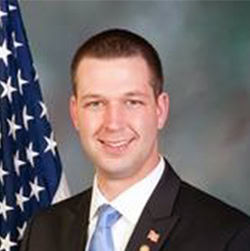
129	204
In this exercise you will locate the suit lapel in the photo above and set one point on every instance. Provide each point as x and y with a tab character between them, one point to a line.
158	219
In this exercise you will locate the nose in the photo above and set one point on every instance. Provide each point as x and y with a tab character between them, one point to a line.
114	117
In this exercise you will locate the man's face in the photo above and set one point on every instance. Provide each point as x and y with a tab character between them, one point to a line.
117	116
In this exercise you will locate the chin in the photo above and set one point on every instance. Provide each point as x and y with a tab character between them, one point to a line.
114	168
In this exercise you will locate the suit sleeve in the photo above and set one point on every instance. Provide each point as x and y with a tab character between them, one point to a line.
240	241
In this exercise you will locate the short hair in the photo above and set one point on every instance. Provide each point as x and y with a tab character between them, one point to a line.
118	43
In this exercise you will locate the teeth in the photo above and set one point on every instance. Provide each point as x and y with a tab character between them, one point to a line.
115	144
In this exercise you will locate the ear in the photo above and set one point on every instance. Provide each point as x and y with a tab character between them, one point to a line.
162	109
73	111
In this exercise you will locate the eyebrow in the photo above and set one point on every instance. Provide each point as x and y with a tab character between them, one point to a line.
127	94
90	96
136	94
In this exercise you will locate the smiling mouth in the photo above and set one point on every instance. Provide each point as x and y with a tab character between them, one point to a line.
116	146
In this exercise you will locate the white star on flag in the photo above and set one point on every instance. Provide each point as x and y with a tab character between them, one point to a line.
6	243
44	110
21	81
26	118
21	231
7	89
4	208
2	14
12	7
2	173
36	76
35	189
13	127
51	144
4	52
15	42
21	199
31	154
18	163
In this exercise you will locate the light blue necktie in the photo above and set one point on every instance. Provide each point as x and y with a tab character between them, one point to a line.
102	237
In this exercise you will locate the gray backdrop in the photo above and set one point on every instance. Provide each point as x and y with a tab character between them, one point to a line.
205	50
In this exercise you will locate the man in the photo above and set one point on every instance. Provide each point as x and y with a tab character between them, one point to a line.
118	106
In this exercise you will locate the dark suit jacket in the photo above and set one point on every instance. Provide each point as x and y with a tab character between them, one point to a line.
182	218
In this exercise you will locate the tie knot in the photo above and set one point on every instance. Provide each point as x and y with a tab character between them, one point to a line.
107	216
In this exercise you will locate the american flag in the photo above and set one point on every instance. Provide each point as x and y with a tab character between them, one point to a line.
30	168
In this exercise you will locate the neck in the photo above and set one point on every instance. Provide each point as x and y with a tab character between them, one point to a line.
111	187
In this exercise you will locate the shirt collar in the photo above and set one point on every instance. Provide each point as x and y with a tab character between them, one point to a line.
131	202
97	200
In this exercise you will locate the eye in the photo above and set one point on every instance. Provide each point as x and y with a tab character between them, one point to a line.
134	102
94	104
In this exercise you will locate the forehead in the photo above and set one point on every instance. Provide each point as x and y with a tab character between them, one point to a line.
113	74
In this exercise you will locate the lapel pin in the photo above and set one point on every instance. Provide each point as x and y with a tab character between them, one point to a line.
153	236
144	248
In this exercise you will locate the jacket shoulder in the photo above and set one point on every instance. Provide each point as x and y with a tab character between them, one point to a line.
205	206
50	228
73	201
71	206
